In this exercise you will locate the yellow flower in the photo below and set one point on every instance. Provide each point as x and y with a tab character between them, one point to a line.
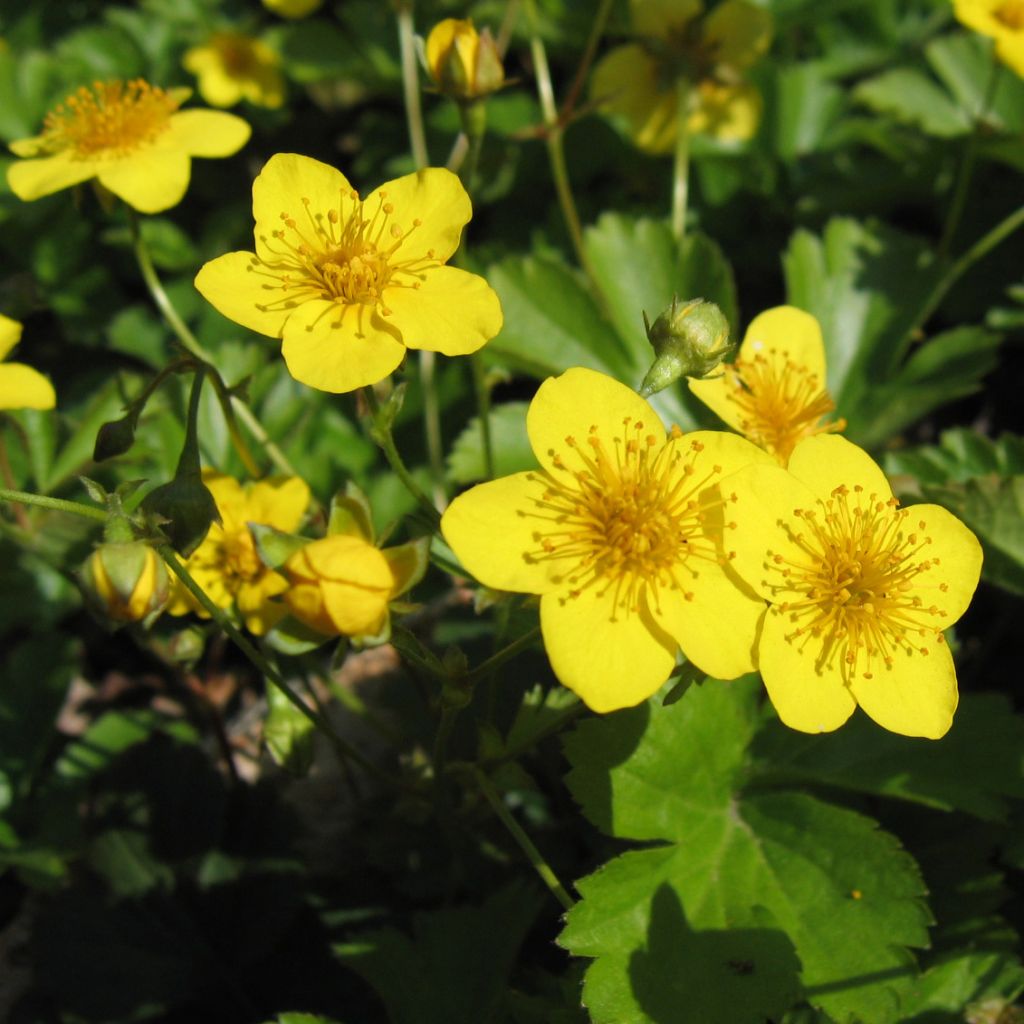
619	532
21	387
343	584
859	590
131	137
349	284
1003	20
463	63
774	393
232	67
640	81
292	8
226	565
127	581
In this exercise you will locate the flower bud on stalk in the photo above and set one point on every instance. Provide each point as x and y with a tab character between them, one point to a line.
688	341
463	63
127	581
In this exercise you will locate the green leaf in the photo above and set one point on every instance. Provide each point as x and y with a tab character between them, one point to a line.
911	97
960	455
770	891
351	514
807	106
509	442
288	734
275	546
289	636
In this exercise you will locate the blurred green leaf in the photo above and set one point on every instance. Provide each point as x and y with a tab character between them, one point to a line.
288	733
911	97
806	106
509	443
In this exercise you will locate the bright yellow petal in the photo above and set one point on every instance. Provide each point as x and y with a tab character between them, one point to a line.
788	333
230	498
1010	50
959	555
729	113
235	285
338	349
10	335
915	697
714	393
577	401
346	559
824	463
206	133
739	32
355	610
611	660
452	312
806	689
492	528
150	180
436	198
22	387
280	502
626	83
218	88
660	18
408	563
253	599
33	179
212	582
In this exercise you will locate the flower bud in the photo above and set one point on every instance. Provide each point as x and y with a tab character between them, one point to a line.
688	341
185	508
463	63
127	581
114	438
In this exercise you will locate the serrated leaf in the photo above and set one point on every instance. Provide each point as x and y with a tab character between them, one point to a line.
509	443
751	871
960	455
911	97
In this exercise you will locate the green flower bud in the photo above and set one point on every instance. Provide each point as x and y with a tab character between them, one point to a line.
126	581
690	340
184	509
114	438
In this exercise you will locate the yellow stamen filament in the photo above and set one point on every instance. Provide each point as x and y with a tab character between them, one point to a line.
108	119
628	516
781	402
861	582
1011	14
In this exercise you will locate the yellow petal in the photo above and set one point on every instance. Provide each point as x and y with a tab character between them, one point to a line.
206	133
610	660
433	196
571	404
715	392
230	498
730	113
10	335
659	18
338	349
959	555
355	610
824	463
280	502
345	559
33	179
492	528
452	311
789	332
150	180
253	599
738	32
22	387
440	41
215	86
408	563
915	697
235	285
1010	50
807	690
626	83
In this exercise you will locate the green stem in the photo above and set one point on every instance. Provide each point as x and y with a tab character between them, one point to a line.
54	504
589	51
432	425
485	668
411	86
553	726
681	167
227	408
483	408
533	855
386	442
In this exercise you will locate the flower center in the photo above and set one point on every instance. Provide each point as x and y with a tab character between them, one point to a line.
1011	14
237	54
780	402
860	583
626	518
110	118
343	256
241	563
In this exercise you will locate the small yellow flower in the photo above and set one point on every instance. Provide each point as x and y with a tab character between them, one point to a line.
127	581
620	533
1003	20
463	63
774	393
21	387
131	137
640	81
859	590
232	67
349	284
226	565
292	8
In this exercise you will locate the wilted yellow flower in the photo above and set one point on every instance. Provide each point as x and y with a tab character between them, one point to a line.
226	565
859	590
774	393
292	8
131	137
640	81
620	532
1003	20
232	67
463	63
21	387
127	581
350	284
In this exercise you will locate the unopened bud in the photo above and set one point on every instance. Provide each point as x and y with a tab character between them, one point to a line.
127	581
114	438
689	340
463	63
185	509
